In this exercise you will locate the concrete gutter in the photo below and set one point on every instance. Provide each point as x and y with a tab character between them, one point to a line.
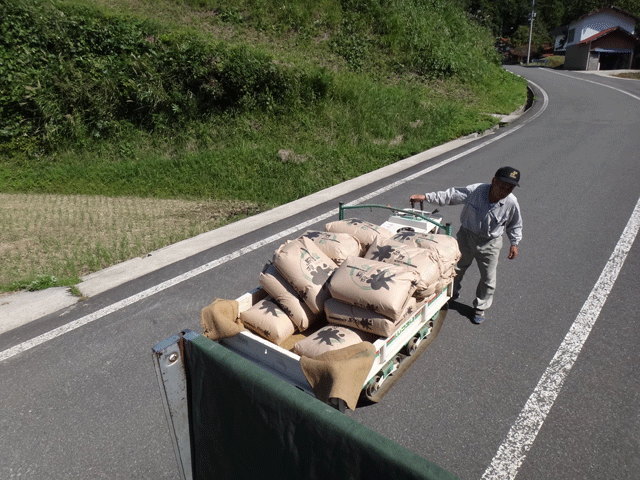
19	308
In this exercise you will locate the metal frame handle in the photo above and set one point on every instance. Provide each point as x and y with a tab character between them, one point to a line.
342	207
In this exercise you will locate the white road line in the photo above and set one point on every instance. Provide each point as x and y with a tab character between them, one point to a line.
50	335
512	452
596	83
29	344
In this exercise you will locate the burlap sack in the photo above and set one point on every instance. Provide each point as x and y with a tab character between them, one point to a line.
364	231
220	319
448	274
383	287
445	246
339	313
330	338
307	269
421	260
286	297
340	373
267	320
337	246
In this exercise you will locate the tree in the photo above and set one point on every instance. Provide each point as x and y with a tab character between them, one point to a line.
538	38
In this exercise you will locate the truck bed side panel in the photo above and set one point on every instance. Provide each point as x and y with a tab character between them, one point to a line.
247	423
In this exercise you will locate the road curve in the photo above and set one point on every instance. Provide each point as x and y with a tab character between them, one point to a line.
84	403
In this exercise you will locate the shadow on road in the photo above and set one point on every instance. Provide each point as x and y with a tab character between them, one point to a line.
464	310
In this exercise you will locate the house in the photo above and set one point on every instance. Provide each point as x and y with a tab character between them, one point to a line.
602	40
559	35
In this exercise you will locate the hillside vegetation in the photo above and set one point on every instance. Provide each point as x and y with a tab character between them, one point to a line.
255	101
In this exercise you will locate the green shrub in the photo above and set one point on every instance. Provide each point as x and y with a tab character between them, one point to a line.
99	103
555	61
72	73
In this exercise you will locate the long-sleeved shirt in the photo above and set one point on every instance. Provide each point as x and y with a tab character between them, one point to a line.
488	220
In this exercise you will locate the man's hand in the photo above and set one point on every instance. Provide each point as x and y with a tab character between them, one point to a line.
417	198
513	252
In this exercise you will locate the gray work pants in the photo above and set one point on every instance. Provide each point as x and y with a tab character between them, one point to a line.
485	252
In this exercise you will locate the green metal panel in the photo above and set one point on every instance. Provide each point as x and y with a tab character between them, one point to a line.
247	423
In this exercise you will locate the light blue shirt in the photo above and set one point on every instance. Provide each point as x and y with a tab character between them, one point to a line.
488	220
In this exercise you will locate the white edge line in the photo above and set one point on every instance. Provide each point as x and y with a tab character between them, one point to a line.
512	452
50	335
596	83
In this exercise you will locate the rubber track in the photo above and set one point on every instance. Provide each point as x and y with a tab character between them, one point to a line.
408	360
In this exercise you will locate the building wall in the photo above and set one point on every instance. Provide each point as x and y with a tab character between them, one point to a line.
558	43
586	27
579	57
613	41
576	57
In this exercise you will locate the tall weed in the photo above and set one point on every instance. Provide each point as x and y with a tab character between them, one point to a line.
72	74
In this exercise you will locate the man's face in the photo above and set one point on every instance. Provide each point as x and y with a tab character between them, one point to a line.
499	190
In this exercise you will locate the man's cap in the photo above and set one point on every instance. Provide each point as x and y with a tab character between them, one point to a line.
509	175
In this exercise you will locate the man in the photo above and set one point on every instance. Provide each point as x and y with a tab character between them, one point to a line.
489	210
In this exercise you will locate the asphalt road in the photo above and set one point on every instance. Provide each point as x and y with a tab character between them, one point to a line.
514	397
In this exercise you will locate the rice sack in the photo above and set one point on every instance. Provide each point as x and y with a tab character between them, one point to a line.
365	232
421	260
340	313
337	246
286	297
307	269
445	246
329	338
267	320
382	287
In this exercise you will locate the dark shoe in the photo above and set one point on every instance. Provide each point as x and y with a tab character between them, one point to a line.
478	317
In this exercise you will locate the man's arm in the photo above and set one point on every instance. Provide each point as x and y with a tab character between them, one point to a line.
514	231
451	196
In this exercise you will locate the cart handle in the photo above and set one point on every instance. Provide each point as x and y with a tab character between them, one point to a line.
342	207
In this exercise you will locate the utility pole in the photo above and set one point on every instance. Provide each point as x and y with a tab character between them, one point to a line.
533	14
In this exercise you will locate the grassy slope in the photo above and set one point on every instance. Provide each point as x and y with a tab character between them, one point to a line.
375	114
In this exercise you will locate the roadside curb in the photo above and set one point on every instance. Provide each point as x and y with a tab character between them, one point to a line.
23	307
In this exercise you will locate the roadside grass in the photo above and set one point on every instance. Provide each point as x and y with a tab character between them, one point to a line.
632	75
145	193
92	200
52	240
555	61
366	126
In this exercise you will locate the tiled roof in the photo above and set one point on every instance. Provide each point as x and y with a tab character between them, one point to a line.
604	33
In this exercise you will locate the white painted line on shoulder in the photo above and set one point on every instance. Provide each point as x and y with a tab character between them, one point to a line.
50	335
512	452
596	83
56	332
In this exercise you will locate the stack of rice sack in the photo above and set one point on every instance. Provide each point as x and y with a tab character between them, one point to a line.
337	334
364	279
296	283
374	293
